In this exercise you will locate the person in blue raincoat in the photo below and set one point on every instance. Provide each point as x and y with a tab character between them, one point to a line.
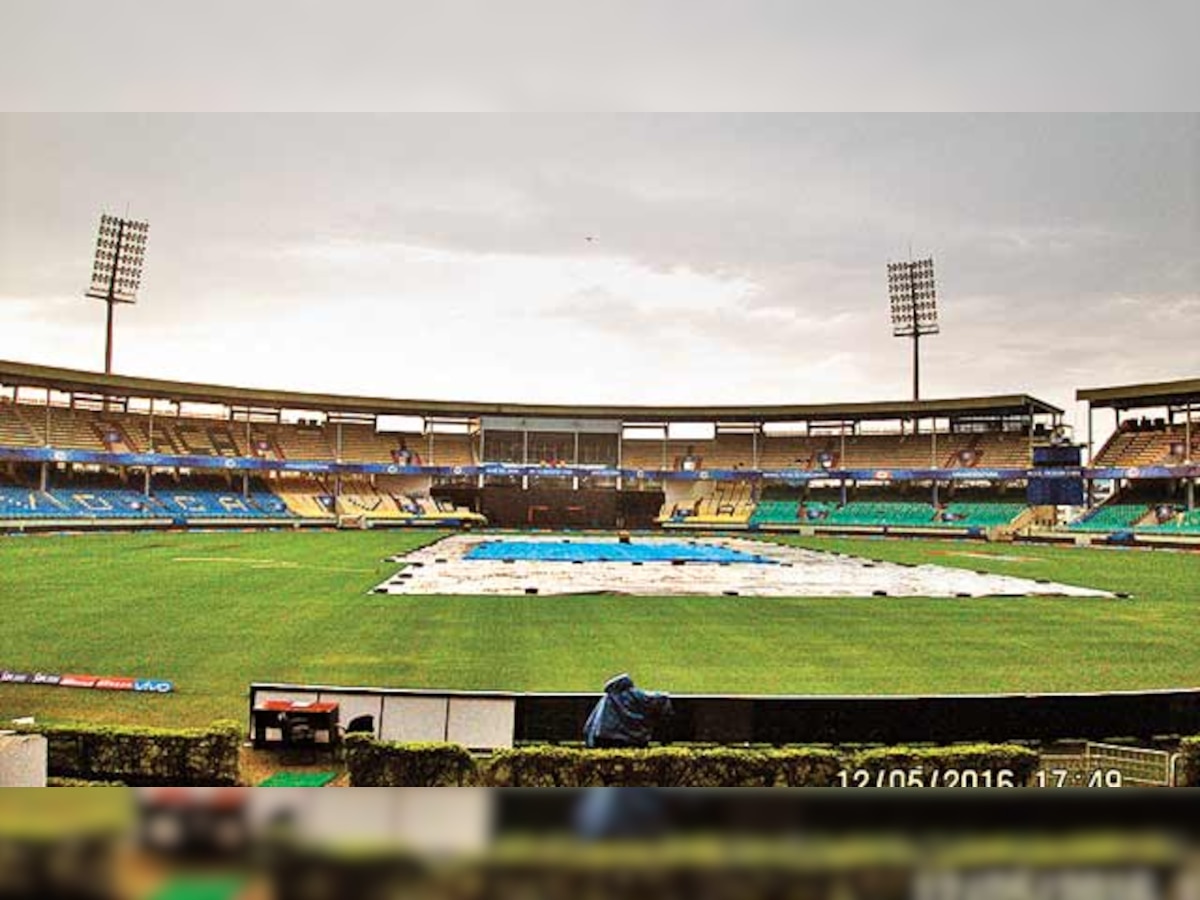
626	715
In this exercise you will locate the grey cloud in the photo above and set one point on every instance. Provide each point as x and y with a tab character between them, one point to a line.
1065	244
625	54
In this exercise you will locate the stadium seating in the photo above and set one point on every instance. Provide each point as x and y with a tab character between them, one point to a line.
25	503
791	512
309	442
359	497
82	503
797	452
1111	517
880	451
776	512
876	514
982	515
896	451
711	503
1183	523
1133	447
305	497
442	449
96	429
188	503
363	444
15	429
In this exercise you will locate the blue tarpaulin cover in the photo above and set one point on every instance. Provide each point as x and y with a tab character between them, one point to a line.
609	551
625	714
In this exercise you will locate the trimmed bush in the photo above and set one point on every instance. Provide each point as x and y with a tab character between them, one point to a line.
552	766
374	763
143	756
81	782
966	765
1189	762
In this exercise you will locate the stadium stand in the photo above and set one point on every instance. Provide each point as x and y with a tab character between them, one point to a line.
15	430
24	424
982	515
197	503
878	451
445	449
798	452
362	443
305	497
1136	446
97	503
711	503
95	413
776	512
359	497
1181	523
896	451
859	513
308	442
1111	517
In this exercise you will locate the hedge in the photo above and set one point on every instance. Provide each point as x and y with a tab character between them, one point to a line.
143	756
1189	762
52	781
374	763
966	765
661	767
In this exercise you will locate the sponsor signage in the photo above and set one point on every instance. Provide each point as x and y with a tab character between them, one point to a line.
147	685
88	682
114	684
79	681
168	461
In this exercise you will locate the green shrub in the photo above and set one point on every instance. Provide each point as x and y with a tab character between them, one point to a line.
1189	762
951	764
661	767
149	756
374	763
81	782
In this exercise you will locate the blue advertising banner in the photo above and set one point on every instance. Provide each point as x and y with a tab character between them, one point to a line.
1143	472
794	476
89	682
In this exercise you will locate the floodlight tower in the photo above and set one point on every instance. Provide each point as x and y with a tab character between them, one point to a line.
117	271
914	307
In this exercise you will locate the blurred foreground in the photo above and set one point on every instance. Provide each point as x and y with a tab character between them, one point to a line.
311	844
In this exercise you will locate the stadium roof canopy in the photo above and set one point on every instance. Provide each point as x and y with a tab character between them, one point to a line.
76	381
1143	396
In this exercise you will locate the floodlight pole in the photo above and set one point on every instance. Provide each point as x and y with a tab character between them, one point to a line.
111	300
916	365
912	293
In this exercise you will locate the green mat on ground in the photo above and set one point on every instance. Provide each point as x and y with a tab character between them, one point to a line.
299	779
200	889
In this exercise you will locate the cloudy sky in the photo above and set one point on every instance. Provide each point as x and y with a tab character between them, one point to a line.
617	254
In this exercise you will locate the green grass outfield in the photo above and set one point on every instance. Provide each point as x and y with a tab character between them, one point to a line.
213	612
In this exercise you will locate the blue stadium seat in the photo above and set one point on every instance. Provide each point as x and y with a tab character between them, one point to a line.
184	503
81	503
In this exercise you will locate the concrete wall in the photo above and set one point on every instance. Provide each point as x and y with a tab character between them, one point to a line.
22	760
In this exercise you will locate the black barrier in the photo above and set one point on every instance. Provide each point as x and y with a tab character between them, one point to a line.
559	718
887	720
